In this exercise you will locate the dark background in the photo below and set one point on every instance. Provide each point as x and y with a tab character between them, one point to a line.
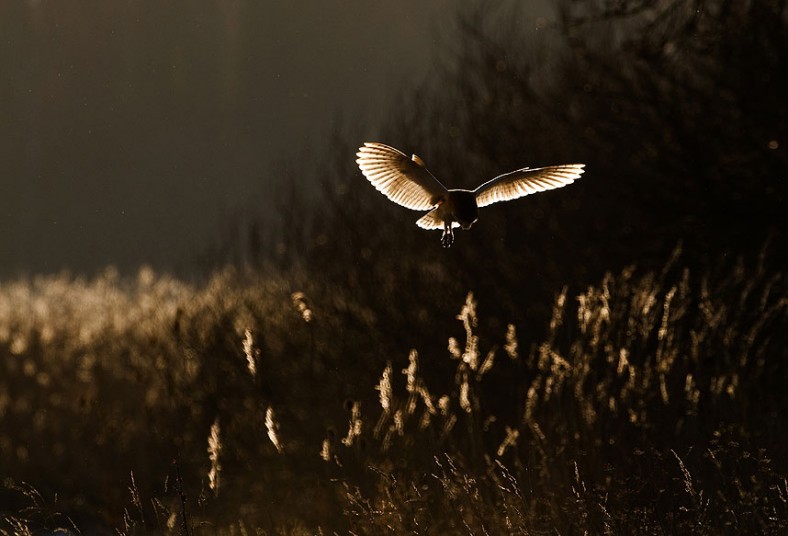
132	133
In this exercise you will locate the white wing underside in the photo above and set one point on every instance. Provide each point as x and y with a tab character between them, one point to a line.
403	180
526	181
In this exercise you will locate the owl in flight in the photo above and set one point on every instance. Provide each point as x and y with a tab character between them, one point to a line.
407	182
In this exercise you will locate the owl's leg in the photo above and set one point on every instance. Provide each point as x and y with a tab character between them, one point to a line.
447	239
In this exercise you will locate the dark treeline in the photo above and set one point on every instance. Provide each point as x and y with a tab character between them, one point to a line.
678	111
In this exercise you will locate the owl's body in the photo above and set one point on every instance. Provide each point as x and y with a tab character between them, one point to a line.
457	208
407	182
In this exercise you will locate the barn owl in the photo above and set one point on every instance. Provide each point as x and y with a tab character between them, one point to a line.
407	182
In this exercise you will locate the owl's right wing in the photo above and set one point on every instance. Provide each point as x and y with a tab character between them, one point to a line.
404	180
526	181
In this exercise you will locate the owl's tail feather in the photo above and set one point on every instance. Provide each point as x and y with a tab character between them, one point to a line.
430	220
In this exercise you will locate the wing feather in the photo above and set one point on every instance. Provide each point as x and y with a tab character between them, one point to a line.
526	181
403	180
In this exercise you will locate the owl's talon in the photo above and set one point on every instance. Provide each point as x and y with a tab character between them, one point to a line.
447	239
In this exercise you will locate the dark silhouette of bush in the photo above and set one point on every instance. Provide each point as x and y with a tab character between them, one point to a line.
678	112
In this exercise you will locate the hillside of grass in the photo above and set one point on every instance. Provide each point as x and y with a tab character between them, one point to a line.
651	403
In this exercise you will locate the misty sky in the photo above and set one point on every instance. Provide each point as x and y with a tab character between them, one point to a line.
132	133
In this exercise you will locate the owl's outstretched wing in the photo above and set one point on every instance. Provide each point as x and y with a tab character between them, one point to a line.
526	181
404	180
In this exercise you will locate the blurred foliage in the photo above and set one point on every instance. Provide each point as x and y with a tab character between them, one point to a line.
145	404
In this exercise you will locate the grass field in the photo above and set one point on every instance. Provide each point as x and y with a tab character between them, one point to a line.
650	403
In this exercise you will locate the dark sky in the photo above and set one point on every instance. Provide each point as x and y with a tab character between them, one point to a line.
131	133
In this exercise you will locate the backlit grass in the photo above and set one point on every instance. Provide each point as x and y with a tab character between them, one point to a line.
649	403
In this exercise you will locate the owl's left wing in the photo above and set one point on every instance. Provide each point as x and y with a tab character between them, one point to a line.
526	181
404	180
